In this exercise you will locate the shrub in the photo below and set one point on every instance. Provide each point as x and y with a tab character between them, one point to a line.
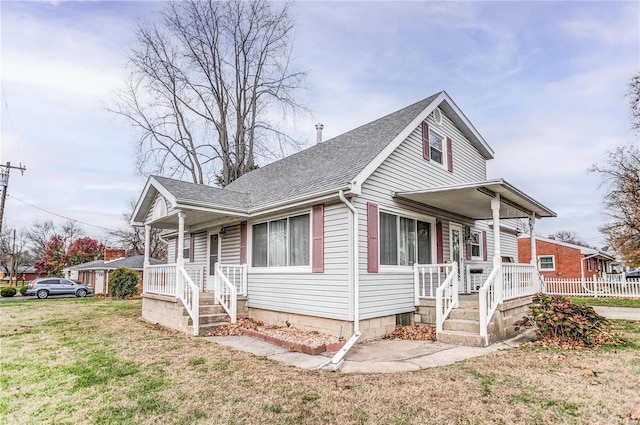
8	292
123	283
557	318
23	290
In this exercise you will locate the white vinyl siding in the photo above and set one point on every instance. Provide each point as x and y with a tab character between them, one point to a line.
231	246
324	294
391	292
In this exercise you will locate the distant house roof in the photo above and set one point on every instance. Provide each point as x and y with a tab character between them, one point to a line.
135	262
584	250
332	165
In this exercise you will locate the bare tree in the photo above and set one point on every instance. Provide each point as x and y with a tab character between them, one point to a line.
209	87
621	175
13	252
132	238
634	100
569	237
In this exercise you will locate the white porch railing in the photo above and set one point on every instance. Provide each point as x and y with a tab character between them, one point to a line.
196	273
439	281
489	298
519	280
236	274
160	279
226	293
428	277
593	287
189	294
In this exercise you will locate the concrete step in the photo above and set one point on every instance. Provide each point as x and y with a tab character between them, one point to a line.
206	319
469	304
461	338
465	314
463	325
209	327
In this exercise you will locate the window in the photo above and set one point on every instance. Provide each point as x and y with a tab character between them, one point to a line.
403	241
547	263
435	146
281	243
186	244
474	241
589	264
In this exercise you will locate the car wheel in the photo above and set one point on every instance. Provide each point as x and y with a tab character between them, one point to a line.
81	293
42	294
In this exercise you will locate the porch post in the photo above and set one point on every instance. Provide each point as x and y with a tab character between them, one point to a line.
180	247
497	257
532	239
147	244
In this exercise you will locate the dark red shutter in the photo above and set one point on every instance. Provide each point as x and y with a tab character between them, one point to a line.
439	245
372	237
317	234
449	155
243	242
484	245
426	149
176	256
192	244
467	242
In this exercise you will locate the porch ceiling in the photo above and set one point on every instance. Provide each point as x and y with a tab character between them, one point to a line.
193	218
474	200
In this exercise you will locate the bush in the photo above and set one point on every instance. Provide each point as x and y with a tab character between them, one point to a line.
123	283
23	290
8	292
557	318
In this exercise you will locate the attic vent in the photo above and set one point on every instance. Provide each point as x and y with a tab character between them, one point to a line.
437	116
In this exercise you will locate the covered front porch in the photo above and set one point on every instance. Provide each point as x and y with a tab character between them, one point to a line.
437	287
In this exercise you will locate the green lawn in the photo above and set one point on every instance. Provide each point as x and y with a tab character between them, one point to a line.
94	361
608	302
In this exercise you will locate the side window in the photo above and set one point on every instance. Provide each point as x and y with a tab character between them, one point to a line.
51	282
547	263
476	247
436	146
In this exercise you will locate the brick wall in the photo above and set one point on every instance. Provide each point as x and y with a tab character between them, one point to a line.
567	260
111	254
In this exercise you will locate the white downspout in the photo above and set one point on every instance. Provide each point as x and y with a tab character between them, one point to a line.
338	359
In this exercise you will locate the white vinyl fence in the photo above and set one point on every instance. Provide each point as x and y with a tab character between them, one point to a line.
593	287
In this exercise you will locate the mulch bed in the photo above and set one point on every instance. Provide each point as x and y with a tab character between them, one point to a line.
296	340
413	333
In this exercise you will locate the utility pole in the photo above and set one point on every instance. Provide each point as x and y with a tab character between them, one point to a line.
4	183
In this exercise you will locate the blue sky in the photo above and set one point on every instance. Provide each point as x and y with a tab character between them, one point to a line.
543	82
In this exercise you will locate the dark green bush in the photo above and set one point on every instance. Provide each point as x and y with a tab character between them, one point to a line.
8	292
123	283
23	290
556	317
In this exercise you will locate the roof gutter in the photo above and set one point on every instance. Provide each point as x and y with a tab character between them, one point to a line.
354	279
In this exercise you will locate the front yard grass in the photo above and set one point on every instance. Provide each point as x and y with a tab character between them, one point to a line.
94	361
608	302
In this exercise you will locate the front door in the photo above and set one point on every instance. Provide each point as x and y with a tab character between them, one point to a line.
455	239
99	287
214	251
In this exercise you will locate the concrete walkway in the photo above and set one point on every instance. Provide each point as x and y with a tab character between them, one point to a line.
389	356
380	356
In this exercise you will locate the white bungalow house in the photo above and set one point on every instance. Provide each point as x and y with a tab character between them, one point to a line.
386	223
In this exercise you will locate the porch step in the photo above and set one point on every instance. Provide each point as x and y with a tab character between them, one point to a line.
465	314
207	319
472	304
462	325
461	338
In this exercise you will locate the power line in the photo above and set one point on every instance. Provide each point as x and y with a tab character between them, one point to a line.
60	215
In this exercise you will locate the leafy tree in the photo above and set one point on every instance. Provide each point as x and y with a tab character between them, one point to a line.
83	250
42	232
123	282
621	175
53	257
208	87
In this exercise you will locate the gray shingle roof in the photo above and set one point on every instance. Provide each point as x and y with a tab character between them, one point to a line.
186	192
330	165
135	262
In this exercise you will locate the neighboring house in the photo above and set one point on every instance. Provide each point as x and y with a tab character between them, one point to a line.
24	273
343	236
564	260
95	274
